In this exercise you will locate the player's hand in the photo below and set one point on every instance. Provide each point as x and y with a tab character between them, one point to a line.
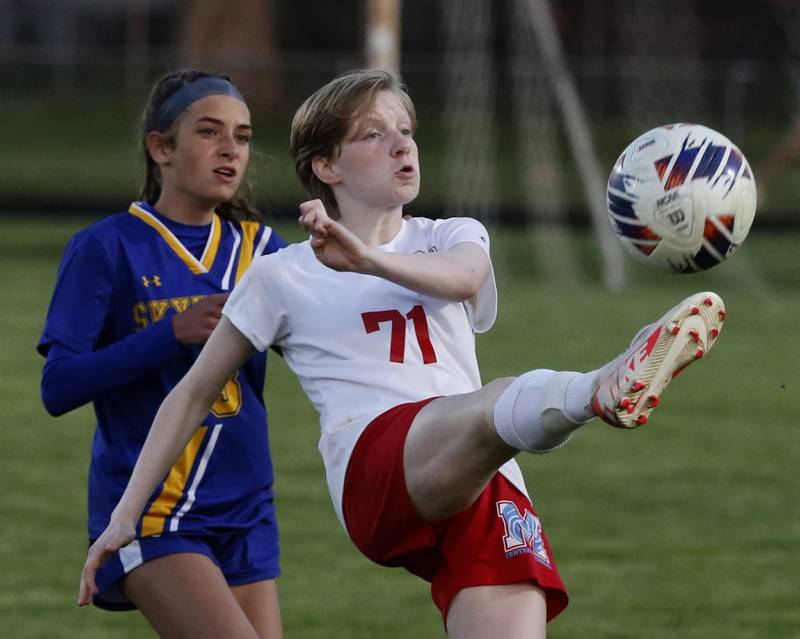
113	538
196	323
333	244
314	218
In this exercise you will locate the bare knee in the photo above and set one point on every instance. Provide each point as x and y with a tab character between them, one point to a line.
492	392
497	386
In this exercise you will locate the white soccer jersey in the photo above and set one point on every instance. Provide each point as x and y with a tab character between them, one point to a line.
360	344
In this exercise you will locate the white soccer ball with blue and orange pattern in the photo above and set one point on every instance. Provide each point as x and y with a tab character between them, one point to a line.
681	197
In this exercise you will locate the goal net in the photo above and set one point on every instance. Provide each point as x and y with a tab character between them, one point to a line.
544	102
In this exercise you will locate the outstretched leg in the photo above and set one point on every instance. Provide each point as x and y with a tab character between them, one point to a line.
452	450
457	443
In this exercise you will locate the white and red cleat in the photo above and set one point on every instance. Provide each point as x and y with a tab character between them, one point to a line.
630	387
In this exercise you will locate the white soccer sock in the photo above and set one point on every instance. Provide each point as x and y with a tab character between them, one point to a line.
540	410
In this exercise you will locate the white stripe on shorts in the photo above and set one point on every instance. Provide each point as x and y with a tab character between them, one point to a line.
130	556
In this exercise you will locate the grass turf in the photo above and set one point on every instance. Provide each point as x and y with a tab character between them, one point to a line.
686	527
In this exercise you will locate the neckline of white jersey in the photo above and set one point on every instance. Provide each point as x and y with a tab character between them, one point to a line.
397	237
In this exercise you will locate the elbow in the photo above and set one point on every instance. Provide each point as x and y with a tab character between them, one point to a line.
471	289
466	289
472	270
470	278
56	402
458	291
51	402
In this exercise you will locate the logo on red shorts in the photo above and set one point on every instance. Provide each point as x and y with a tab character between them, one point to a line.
523	533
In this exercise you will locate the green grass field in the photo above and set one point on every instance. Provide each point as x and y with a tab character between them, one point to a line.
687	527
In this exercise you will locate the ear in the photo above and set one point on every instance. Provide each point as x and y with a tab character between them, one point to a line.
160	147
325	170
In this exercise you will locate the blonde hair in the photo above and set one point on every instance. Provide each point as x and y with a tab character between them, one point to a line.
322	122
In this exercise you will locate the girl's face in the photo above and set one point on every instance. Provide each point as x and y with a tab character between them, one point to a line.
208	160
377	165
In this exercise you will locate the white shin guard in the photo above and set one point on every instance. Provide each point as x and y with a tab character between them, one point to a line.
540	410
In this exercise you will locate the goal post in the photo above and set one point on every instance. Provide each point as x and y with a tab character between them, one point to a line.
470	127
580	139
382	34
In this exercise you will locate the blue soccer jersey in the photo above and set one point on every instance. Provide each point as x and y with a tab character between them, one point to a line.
119	283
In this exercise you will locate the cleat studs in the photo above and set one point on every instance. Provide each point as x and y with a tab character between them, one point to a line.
722	316
694	310
654	401
695	335
714	332
637	386
625	403
676	328
700	352
631	408
642	419
708	301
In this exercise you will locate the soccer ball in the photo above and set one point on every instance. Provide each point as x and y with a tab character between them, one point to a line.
681	197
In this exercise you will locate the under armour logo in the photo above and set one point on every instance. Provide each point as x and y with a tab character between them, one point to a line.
156	281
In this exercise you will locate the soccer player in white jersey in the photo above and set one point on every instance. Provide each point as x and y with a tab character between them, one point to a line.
376	314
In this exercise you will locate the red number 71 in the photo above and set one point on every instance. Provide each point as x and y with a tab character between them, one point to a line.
373	319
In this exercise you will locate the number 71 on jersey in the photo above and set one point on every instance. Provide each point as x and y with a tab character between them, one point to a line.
374	319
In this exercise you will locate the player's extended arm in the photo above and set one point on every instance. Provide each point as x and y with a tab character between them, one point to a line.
180	414
456	274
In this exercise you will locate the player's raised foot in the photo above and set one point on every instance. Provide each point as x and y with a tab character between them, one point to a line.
630	387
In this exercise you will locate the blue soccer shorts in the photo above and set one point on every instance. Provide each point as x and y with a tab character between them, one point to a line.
244	557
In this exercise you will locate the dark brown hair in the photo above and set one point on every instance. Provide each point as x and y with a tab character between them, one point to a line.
240	206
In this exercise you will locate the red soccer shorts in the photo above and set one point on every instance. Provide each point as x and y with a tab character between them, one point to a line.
497	540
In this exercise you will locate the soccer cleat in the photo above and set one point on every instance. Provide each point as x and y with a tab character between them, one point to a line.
630	387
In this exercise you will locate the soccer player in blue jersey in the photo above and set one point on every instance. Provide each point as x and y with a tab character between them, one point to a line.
137	295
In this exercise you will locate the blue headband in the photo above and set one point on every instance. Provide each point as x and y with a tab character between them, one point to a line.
187	95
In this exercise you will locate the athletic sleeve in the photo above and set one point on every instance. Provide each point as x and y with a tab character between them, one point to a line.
481	311
79	308
76	371
71	379
269	241
256	306
275	243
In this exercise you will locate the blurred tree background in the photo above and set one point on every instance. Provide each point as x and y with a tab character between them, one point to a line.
75	74
689	529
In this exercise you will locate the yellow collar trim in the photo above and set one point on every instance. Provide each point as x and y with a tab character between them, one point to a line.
195	266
